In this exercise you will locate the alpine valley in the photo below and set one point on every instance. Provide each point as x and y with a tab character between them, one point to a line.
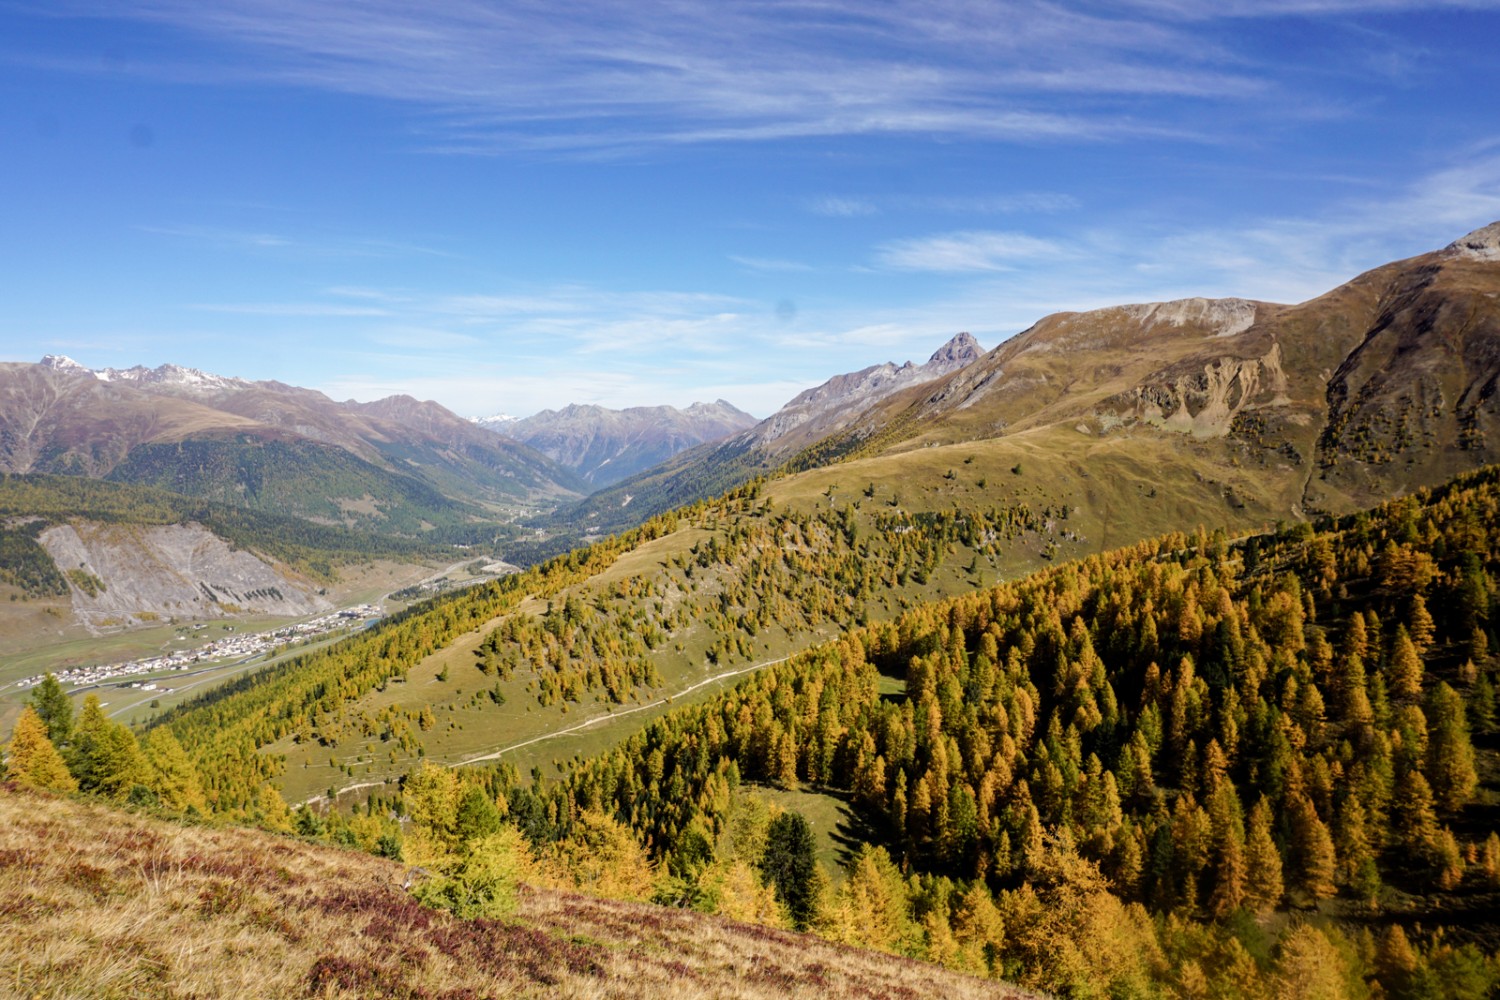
1150	653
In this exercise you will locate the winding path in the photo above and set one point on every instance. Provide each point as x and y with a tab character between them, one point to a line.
580	727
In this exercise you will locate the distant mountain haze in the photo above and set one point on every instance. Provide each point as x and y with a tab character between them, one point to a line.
605	446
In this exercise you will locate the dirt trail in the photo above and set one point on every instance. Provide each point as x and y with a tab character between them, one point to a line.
597	720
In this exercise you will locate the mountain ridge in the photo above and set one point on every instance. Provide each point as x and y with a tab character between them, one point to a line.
59	416
809	417
604	446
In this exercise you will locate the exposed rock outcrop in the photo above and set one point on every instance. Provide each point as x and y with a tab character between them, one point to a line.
169	571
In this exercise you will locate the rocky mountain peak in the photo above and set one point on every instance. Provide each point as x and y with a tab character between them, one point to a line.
1481	244
167	376
958	352
63	363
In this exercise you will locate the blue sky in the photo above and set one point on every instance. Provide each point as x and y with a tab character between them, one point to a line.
507	206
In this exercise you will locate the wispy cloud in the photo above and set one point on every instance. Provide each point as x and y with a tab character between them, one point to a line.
842	208
1206	9
290	244
1035	202
290	309
1029	202
770	264
965	251
598	75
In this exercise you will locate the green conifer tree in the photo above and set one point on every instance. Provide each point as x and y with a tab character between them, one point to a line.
55	709
790	865
1450	752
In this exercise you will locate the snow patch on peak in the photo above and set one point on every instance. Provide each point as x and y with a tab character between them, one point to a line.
63	363
170	376
1481	244
495	422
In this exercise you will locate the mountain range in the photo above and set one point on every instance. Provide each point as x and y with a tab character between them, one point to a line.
604	446
1139	418
834	407
394	464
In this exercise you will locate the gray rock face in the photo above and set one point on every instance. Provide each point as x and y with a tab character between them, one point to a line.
171	571
837	403
1481	244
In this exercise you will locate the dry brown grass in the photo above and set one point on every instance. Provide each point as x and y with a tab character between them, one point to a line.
97	903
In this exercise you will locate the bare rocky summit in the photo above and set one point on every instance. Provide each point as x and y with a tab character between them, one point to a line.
1481	244
839	402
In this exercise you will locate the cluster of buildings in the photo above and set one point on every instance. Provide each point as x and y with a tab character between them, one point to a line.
230	646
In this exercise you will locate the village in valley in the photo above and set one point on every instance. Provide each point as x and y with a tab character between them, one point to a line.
243	646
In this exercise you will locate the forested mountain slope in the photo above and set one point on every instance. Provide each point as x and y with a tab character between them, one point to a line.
1194	766
1136	753
1267	764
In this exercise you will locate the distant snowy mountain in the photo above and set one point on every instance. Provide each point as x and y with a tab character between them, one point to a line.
267	444
163	376
499	422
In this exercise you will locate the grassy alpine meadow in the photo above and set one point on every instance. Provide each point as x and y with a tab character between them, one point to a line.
100	903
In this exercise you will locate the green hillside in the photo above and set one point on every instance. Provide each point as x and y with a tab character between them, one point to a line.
33	501
294	477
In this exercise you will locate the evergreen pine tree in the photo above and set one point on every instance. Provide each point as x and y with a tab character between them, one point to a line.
1412	814
1356	859
1419	624
1228	858
55	709
1396	961
476	816
1450	753
1311	849
1448	860
790	865
104	755
1406	668
171	774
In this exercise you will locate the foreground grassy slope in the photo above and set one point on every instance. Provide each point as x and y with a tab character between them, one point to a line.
99	903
